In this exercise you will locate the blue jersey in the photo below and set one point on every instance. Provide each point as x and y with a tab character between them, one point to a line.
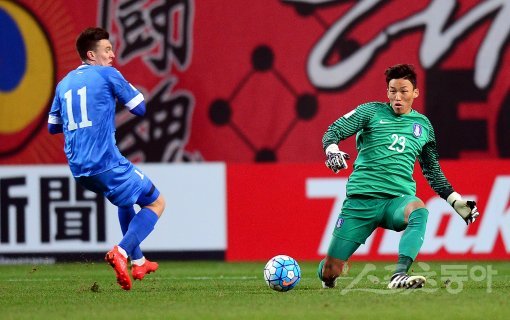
84	104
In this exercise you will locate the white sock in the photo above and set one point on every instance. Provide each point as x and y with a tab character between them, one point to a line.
138	262
122	251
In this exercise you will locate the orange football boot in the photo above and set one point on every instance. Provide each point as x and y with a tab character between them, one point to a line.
139	272
120	266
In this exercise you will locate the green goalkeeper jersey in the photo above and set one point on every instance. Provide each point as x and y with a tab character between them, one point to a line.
388	146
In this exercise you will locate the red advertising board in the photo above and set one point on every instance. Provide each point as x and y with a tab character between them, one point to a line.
275	209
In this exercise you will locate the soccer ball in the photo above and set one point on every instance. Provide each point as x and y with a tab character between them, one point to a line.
282	273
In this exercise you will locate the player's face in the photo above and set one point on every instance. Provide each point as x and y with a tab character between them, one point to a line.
401	94
103	54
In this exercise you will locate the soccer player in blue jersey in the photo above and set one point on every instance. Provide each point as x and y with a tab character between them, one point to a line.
381	192
84	110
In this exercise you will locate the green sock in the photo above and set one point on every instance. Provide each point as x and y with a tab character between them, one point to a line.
412	239
319	269
403	264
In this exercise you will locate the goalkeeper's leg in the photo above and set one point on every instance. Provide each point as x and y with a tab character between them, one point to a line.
409	246
335	263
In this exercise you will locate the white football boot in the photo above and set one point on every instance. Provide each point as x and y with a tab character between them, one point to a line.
405	281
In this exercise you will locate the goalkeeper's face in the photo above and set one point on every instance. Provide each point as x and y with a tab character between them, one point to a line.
401	94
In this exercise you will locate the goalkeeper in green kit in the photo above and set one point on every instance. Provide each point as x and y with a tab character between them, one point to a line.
381	190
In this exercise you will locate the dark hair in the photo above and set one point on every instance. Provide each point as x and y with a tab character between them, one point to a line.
401	71
87	40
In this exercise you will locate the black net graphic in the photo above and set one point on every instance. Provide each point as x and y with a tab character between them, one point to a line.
305	105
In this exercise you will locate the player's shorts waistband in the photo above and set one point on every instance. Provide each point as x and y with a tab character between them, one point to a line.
364	197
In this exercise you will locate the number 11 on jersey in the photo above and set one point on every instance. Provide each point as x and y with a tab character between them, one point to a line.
85	122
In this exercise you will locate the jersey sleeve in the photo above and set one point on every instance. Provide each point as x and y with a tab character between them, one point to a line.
125	93
54	116
349	124
429	162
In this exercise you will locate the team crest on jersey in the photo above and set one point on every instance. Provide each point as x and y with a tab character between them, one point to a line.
417	130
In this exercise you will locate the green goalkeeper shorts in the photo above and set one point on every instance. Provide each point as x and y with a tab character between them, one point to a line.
361	216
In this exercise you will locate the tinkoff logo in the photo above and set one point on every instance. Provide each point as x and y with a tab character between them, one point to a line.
27	77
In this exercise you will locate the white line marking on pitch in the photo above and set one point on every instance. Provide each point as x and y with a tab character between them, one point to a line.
155	278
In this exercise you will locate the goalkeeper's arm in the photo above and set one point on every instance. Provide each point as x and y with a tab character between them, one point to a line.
465	208
432	171
335	159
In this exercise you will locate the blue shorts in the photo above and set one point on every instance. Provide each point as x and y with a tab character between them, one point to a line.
123	185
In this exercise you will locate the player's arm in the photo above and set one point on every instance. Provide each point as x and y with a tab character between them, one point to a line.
465	208
126	93
55	128
139	109
429	162
341	129
136	102
55	123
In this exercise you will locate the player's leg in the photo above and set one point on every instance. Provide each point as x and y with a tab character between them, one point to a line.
355	223
335	262
126	214
142	223
103	183
410	214
152	206
127	186
139	228
143	266
140	266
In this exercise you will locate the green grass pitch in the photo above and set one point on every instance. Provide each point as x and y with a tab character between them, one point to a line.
220	290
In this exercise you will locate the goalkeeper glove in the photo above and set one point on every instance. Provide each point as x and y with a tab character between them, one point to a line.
336	158
465	208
